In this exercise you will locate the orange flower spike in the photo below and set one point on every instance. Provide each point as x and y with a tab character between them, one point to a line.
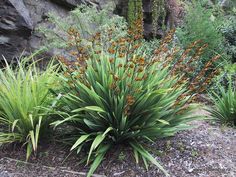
138	79
157	51
141	61
111	60
116	78
129	75
113	44
111	51
120	65
77	63
140	69
131	66
98	52
137	91
81	49
66	74
121	55
71	31
145	76
74	53
78	76
130	100
136	46
129	85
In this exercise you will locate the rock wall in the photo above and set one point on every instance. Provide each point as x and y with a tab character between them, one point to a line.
19	18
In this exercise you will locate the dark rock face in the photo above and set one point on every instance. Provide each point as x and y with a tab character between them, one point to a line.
20	18
67	3
74	3
174	12
15	27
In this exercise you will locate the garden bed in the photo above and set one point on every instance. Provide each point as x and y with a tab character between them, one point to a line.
208	150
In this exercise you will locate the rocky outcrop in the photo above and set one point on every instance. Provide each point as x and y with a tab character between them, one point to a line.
20	18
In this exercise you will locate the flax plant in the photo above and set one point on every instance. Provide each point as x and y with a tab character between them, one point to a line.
112	94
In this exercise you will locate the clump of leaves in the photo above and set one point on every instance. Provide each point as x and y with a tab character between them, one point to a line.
24	90
224	109
114	95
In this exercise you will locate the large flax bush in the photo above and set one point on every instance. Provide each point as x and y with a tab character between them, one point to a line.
112	94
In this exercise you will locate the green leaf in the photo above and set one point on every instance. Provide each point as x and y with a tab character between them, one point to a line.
28	151
145	162
99	138
37	131
94	108
163	121
32	139
146	155
14	124
79	141
98	159
107	130
136	156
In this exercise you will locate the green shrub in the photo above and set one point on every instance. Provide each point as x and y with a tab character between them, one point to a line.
118	96
224	110
228	29
227	73
200	24
23	91
87	20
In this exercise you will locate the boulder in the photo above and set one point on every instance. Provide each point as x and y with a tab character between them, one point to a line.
15	27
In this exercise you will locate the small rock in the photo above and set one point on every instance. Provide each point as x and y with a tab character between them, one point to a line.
4	174
190	170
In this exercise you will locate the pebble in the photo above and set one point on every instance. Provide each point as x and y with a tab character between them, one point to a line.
5	174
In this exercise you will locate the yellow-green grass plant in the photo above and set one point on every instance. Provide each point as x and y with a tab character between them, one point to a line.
24	91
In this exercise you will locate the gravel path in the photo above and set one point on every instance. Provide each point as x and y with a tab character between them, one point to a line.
206	151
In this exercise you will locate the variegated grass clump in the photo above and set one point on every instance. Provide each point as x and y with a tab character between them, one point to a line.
224	108
24	90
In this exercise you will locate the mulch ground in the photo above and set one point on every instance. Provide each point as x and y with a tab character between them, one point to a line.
206	151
